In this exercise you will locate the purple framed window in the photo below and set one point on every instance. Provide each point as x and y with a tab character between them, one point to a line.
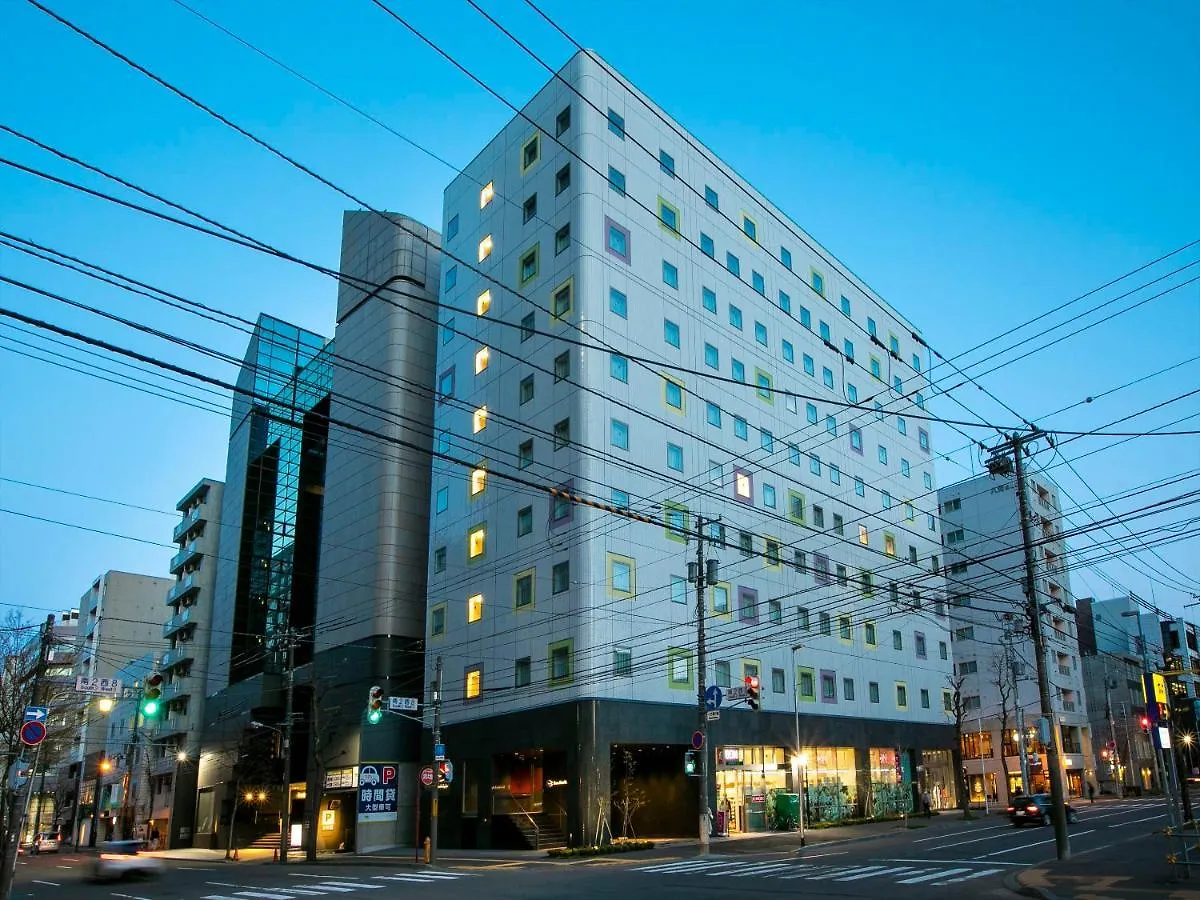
821	568
743	486
616	240
747	605
828	686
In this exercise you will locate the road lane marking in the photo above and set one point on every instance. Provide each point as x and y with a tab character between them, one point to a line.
976	862
819	855
129	896
876	870
352	884
1034	844
960	843
264	895
51	883
939	837
979	874
940	873
1158	815
64	867
223	883
420	879
194	868
310	892
310	875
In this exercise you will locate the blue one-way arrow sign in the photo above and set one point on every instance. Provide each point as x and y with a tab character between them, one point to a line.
36	713
712	697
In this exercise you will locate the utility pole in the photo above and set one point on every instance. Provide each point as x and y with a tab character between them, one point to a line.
130	763
702	573
998	464
285	749
437	778
1018	710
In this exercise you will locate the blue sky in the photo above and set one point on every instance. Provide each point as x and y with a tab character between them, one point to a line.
976	165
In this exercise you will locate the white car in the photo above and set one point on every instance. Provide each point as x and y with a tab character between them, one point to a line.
42	842
121	859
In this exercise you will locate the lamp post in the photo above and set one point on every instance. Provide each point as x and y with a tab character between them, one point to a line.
798	760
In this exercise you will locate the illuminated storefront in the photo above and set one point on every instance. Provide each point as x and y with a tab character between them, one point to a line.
746	776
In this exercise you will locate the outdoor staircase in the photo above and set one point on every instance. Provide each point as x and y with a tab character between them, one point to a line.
542	833
266	842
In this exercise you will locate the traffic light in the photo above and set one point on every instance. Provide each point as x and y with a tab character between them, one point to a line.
375	704
752	696
689	763
152	695
1145	723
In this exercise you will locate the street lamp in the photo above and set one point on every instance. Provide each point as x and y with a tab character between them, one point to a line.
798	760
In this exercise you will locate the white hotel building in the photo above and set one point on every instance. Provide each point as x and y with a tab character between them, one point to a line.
630	320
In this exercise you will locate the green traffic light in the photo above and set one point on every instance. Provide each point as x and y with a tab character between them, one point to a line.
374	716
150	708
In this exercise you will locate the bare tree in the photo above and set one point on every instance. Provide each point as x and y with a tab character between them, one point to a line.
629	796
1004	688
959	711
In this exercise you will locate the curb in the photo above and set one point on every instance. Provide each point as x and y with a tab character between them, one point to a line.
1012	881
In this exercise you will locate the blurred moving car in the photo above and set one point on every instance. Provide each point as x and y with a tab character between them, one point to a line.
123	859
1035	808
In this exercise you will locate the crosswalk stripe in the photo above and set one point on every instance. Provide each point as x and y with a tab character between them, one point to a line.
766	870
692	864
352	884
798	873
263	895
312	892
325	887
835	873
938	873
419	879
978	874
876	870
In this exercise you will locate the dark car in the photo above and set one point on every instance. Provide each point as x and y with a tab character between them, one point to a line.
1035	808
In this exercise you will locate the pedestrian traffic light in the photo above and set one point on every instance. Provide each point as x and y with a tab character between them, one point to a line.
752	696
375	704
689	763
1145	723
152	695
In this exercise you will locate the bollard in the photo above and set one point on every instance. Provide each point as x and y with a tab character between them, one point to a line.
428	850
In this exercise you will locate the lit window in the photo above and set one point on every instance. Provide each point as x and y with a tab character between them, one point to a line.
479	420
481	359
474	679
475	607
743	485
478	480
476	541
486	195
864	537
485	248
483	303
670	275
889	544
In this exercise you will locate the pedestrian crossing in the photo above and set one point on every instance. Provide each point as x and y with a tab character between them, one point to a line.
930	874
313	886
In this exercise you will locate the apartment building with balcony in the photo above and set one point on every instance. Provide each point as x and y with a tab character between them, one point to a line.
993	650
628	320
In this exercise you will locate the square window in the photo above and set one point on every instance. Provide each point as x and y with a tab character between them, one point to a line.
474	608
618	240
708	298
616	124
671	333
848	349
819	521
886	499
452	228
897	640
735	317
477	542
901	696
560	577
839	524
828	688
679	589
522	672
478	480
856	441
562	433
763	386
479	420
616	181
740	428
869	634
679	668
562	179
871	329
924	698
446	383
619	498
758	283
676	519
712	357
525	454
864	536
622	662
750	227
745	543
927	480
710	197
796	507
675	457
528	268
562	239
619	434
835	474
531	152
713	414
562	122
826	623
618	303
668	215
673	393
707	247
785	256
923	439
901	425
670	274
760	333
529	208
733	264
486	193
524	521
845	629
527	328
618	367
562	366
721	673
439	560
666	163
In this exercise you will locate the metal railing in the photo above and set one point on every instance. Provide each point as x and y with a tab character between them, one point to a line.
537	832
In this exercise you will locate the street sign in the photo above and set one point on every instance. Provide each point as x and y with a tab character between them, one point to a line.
712	715
37	713
439	752
402	704
111	687
427	776
735	693
33	733
712	697
698	738
377	792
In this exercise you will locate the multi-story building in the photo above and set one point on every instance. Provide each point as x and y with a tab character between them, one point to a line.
993	650
1116	639
324	542
184	662
628	320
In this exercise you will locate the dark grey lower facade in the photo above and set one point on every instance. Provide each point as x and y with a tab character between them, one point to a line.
566	773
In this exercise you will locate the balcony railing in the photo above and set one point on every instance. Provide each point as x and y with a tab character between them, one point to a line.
176	655
181	588
184	556
177	621
192	518
1064	670
1068	705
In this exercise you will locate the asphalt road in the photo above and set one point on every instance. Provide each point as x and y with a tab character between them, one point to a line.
949	859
